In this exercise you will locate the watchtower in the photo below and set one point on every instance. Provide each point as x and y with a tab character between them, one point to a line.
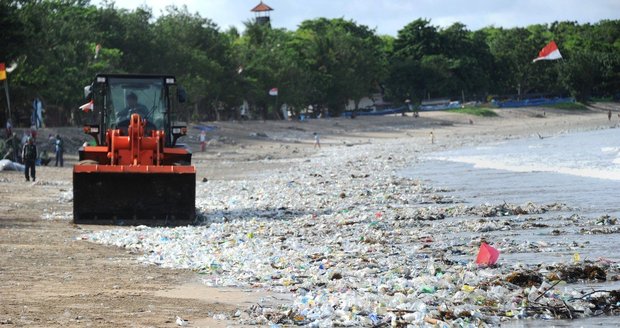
261	12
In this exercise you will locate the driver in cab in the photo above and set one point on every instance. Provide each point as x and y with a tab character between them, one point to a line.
133	106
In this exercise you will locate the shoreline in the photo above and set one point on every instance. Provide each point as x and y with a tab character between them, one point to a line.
451	130
245	164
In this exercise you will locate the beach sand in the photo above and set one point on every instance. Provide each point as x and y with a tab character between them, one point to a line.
49	276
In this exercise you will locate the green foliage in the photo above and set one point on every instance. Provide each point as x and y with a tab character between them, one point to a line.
193	49
267	61
477	111
50	66
343	59
324	63
431	62
12	38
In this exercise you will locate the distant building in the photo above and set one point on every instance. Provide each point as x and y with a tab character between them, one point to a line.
261	12
373	102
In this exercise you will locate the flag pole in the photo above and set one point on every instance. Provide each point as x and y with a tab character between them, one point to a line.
276	109
8	99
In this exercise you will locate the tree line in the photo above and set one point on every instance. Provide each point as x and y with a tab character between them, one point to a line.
322	65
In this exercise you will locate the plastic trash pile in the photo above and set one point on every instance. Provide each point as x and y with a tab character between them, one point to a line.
56	215
360	246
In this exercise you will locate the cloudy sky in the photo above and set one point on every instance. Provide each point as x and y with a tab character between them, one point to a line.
388	16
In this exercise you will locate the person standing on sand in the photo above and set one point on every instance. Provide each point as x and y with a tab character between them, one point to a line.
25	137
609	115
12	148
432	138
59	151
9	128
33	132
29	156
203	141
317	140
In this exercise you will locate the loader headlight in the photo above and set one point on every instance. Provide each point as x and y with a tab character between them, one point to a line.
91	129
179	130
170	80
100	79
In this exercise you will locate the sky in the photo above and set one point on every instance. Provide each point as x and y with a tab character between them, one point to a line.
389	16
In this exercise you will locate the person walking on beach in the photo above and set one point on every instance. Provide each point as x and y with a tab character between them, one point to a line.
203	141
317	141
59	151
609	115
29	156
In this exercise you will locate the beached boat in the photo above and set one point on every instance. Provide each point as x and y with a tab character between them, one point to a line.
532	102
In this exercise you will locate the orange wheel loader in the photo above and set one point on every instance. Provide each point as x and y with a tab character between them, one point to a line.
134	172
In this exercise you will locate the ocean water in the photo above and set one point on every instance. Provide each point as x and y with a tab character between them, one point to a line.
578	169
581	170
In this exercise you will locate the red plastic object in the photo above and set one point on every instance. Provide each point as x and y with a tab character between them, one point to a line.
487	255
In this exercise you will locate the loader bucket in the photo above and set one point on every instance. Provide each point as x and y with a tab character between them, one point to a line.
125	196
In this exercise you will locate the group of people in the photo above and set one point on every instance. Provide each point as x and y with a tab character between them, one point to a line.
30	155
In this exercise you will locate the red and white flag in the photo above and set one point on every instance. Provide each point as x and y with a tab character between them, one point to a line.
87	107
2	72
273	92
549	52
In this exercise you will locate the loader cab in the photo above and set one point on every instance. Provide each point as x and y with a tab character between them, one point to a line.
145	97
117	96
